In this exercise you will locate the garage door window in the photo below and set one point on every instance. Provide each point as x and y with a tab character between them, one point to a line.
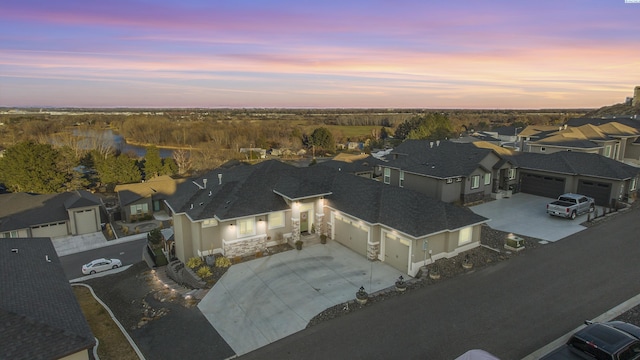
464	236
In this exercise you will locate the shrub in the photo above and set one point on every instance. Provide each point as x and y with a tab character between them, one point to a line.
154	237
194	262
223	262
204	272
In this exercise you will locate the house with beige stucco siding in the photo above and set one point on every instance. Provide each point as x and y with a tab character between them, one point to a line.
247	208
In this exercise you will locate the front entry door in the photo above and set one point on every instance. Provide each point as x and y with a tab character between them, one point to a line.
304	221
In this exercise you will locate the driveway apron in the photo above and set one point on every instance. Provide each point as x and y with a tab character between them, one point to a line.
526	214
266	299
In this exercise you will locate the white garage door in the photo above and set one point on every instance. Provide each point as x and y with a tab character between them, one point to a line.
86	222
50	230
396	252
351	235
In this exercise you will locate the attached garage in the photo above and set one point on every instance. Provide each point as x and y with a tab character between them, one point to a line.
50	230
542	185
85	221
600	191
396	252
350	234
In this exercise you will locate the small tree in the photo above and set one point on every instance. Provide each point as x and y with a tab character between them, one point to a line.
154	237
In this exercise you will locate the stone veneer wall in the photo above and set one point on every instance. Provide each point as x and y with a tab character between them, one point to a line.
320	225
373	250
245	247
473	198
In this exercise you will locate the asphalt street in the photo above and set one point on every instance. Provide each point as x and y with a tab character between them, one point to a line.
510	309
129	253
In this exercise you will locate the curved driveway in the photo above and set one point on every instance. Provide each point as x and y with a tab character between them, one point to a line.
526	214
263	300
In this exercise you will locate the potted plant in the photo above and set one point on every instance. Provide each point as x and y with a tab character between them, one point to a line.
434	272
466	263
323	239
401	285
362	296
299	244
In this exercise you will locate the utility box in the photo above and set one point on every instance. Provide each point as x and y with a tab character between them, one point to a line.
514	243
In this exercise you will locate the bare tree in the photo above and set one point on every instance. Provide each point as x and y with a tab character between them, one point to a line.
182	158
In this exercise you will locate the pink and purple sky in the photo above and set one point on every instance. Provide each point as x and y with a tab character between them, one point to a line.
346	54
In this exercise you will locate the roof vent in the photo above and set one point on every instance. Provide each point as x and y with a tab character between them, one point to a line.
431	144
191	207
201	203
46	257
204	182
15	251
210	193
437	142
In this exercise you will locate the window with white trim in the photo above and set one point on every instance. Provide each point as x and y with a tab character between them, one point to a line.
512	174
209	222
246	227
387	175
607	151
450	181
465	235
634	184
487	179
475	181
139	209
401	183
276	220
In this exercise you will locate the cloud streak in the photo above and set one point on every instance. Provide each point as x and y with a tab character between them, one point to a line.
493	54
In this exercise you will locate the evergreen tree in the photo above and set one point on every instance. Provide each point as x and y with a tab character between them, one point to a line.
323	139
169	167
31	167
152	163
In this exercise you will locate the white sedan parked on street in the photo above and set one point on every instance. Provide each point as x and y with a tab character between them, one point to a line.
98	265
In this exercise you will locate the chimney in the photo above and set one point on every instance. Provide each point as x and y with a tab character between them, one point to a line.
431	144
219	179
204	182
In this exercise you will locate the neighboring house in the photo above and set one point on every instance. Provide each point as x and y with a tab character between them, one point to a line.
140	200
244	209
40	317
594	175
50	215
448	171
362	165
612	139
631	153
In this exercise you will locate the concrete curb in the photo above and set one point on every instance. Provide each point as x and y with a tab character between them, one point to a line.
113	317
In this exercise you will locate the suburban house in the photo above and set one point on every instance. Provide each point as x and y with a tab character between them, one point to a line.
362	165
589	174
448	171
40	317
612	139
244	209
631	153
140	200
50	215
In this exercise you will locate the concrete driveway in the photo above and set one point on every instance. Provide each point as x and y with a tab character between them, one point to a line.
263	300
526	214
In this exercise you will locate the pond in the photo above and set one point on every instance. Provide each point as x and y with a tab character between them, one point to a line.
109	138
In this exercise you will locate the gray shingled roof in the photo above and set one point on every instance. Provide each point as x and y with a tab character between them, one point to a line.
576	163
446	160
573	143
257	189
40	317
22	210
407	211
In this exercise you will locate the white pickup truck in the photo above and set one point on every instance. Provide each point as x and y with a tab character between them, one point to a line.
571	205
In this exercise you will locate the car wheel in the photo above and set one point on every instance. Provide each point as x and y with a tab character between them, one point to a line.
92	272
592	208
114	267
573	215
